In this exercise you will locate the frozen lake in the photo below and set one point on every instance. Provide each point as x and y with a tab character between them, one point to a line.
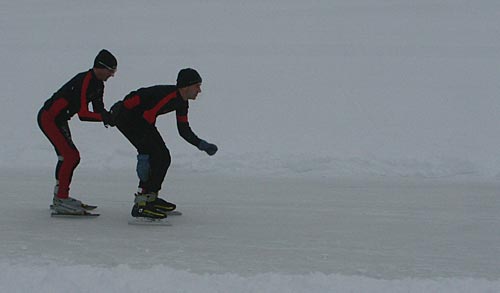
373	229
358	147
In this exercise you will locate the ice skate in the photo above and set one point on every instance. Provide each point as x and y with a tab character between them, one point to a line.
73	201
163	205
85	206
146	214
67	206
145	207
159	204
146	210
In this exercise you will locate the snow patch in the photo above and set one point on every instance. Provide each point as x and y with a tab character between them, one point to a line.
54	278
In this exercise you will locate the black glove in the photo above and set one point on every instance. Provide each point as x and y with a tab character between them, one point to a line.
209	148
108	119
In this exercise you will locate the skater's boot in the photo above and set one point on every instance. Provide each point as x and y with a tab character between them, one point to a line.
160	204
144	206
68	206
73	202
163	205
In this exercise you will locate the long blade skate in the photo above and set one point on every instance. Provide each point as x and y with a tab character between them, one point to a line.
84	214
84	206
143	221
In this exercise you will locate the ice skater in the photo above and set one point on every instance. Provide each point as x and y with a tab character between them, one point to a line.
74	98
135	117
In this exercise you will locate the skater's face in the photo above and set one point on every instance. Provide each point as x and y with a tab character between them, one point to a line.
191	92
104	73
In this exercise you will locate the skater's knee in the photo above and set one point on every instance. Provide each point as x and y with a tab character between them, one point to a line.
160	159
72	157
165	156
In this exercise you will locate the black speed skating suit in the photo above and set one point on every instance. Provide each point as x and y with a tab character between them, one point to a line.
136	117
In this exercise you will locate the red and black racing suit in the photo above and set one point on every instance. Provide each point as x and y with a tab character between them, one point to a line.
136	120
72	98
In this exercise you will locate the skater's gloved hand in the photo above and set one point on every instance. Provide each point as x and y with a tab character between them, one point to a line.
108	119
209	148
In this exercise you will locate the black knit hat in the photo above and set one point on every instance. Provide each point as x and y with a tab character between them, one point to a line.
105	60
187	77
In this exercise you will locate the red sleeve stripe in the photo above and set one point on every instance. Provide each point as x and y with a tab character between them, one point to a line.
132	102
183	119
84	107
150	115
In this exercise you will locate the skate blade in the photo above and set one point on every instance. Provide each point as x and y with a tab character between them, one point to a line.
85	206
174	213
69	215
148	222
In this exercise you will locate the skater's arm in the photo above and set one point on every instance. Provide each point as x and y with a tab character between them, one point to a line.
186	132
97	103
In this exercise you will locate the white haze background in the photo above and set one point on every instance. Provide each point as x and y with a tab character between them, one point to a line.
316	91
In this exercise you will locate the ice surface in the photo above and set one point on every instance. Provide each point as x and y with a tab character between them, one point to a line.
258	234
358	147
